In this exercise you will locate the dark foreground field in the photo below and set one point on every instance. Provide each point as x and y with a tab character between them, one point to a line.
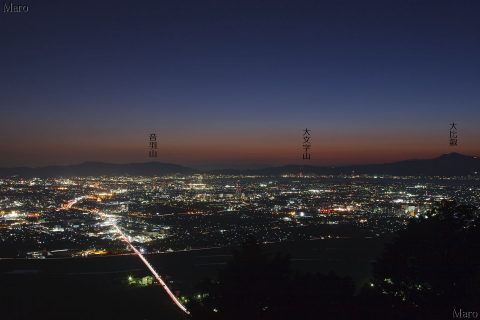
97	288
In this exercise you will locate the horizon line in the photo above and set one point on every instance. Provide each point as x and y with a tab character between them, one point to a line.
219	167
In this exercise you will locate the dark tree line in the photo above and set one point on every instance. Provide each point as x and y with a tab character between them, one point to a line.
431	268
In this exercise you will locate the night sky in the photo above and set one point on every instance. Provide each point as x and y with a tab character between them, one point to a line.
234	83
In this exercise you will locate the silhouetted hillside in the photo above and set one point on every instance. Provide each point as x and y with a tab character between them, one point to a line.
453	164
99	169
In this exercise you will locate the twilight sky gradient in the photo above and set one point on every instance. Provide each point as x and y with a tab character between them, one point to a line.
234	83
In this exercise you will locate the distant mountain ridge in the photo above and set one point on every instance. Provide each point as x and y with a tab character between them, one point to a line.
452	164
99	169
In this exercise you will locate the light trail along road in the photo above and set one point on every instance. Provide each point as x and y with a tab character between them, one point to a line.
70	204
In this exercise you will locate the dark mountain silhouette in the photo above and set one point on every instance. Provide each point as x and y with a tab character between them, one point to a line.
452	164
99	169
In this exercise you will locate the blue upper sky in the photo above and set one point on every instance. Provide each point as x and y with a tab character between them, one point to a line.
233	83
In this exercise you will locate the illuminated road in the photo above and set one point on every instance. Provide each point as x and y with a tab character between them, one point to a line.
70	205
73	202
149	266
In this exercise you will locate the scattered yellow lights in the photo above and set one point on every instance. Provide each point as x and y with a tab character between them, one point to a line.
94	252
100	196
197	186
33	215
105	194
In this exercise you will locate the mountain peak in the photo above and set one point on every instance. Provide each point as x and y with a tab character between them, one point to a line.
450	164
453	155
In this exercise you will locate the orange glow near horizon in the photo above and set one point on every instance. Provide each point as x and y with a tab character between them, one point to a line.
237	152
